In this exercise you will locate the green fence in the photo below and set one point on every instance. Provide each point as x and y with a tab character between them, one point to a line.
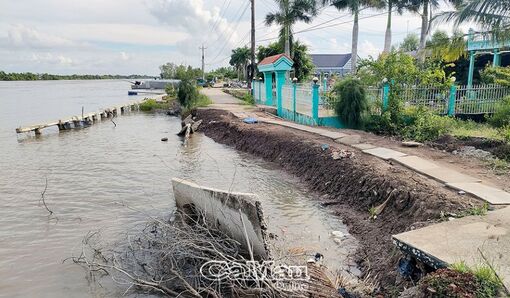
454	100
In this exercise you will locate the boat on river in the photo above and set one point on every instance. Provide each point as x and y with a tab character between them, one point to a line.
154	84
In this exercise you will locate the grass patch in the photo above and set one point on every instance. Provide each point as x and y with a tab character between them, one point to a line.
477	210
498	166
151	105
242	94
202	101
489	284
461	280
464	129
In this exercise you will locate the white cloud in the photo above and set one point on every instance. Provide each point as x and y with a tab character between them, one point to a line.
49	58
27	37
124	56
198	21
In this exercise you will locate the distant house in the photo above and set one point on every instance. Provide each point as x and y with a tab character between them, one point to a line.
332	63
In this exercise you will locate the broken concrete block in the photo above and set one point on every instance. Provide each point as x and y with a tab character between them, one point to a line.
224	211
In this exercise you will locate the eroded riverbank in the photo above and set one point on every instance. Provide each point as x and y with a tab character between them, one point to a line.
348	186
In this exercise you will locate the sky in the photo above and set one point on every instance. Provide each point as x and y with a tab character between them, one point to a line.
136	36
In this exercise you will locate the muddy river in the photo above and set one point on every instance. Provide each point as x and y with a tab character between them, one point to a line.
92	174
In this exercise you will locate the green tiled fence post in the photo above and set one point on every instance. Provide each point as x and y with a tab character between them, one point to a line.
260	90
253	83
386	95
294	88
280	81
315	102
451	100
268	84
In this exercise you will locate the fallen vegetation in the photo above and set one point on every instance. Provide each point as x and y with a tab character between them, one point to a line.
174	258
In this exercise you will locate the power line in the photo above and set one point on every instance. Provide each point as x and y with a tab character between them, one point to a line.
221	32
241	42
233	31
341	23
222	14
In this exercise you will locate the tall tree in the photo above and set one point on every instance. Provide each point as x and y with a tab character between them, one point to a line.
239	59
410	43
354	7
290	12
426	7
391	5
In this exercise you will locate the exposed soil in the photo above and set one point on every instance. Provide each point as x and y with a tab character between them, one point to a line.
350	186
499	149
441	152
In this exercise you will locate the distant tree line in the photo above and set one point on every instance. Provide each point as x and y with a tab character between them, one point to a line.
179	72
29	76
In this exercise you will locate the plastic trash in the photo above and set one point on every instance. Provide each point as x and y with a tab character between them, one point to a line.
250	120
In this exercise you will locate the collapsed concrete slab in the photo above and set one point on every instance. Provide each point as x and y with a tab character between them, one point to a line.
475	240
236	214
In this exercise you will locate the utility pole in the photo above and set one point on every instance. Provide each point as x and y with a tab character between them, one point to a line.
203	61
250	78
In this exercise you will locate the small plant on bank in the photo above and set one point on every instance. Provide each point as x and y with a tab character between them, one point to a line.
171	90
150	105
501	117
462	281
373	213
248	99
351	101
477	210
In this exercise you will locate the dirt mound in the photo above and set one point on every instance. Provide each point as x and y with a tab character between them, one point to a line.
350	186
449	143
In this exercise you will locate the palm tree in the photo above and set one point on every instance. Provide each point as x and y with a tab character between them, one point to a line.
426	16
492	15
290	12
399	5
239	59
354	7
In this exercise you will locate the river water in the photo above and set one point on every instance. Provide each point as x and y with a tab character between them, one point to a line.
92	174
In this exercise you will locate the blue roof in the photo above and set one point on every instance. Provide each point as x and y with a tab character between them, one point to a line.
330	60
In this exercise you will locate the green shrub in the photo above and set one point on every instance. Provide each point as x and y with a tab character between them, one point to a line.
170	90
423	125
248	98
150	105
496	75
187	93
501	116
505	132
352	101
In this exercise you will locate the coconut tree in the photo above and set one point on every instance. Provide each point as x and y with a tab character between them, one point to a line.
492	15
289	13
390	5
426	7
354	7
239	59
